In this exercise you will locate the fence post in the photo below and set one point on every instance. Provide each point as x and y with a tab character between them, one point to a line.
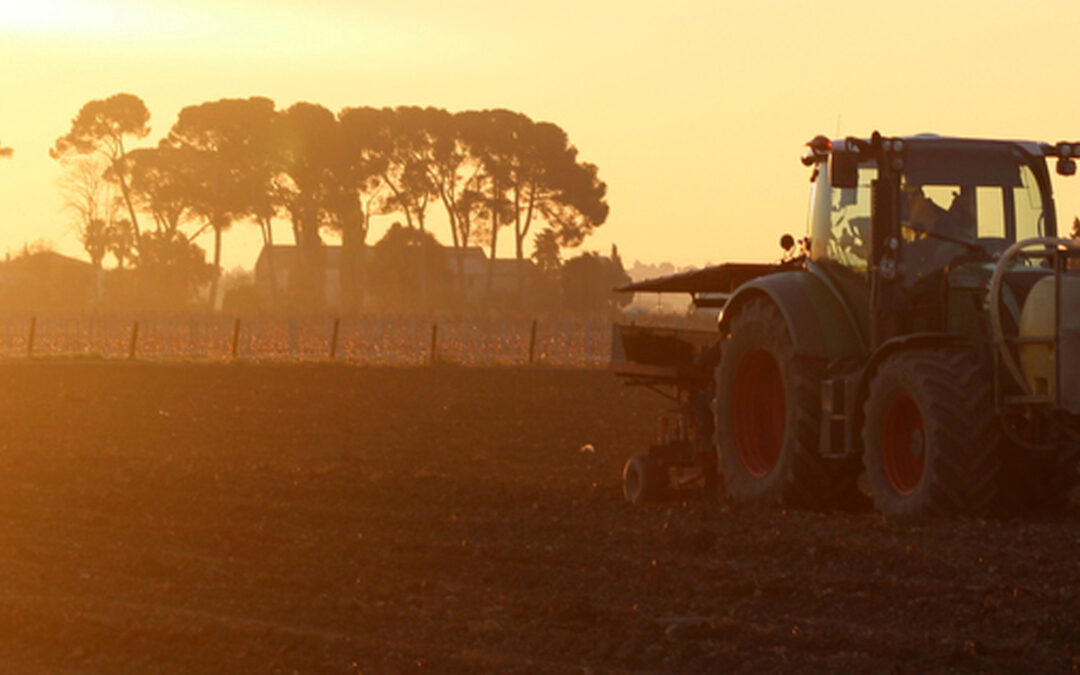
334	337
588	343
30	339
134	339
532	342
236	338
434	342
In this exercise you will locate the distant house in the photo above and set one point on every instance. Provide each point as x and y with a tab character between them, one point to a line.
507	274
46	281
275	271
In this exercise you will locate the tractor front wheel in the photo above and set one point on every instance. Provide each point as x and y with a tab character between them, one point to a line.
931	440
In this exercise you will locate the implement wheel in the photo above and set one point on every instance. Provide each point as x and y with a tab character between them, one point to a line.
767	417
931	438
644	480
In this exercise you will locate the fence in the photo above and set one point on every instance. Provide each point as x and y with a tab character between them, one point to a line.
381	340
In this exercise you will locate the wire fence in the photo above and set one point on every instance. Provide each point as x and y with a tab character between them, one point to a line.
375	340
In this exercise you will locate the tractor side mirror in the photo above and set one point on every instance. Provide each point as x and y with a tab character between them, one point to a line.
1066	166
844	169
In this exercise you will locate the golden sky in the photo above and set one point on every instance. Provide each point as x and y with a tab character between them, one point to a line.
695	111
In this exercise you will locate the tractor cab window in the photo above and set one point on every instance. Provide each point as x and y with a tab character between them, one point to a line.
840	223
849	231
979	200
1027	208
990	215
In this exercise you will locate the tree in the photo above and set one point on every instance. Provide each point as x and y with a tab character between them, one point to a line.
408	270
305	137
531	171
161	183
356	193
100	129
305	146
224	143
546	252
121	241
92	200
402	141
5	151
574	201
170	270
363	158
490	137
548	259
588	281
453	174
87	195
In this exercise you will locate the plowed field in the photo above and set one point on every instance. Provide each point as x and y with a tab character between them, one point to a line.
190	518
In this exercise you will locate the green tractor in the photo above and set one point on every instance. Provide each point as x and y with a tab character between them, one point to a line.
926	336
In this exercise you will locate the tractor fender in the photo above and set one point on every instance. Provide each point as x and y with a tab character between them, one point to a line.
901	343
887	349
817	320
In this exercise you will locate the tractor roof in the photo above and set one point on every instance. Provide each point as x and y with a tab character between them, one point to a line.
1037	148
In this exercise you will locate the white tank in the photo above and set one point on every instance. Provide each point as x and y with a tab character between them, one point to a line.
1037	321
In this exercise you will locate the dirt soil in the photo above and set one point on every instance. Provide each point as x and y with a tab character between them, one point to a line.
188	518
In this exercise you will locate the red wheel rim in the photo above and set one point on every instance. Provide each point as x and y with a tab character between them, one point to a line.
903	444
757	412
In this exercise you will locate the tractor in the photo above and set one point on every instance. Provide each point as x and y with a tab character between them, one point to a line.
920	346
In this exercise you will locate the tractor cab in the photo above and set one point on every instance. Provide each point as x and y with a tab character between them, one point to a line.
946	209
977	195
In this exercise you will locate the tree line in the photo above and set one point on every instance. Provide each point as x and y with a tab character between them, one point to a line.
491	173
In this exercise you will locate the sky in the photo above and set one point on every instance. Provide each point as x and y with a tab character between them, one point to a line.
695	112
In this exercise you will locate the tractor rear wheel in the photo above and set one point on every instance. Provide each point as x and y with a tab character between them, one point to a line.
767	417
931	440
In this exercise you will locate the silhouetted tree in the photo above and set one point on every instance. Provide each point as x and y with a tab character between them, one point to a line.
573	201
161	182
306	141
546	251
88	197
224	143
5	151
490	137
530	171
453	175
588	280
356	193
170	270
544	178
363	157
305	137
402	141
121	241
548	259
100	129
408	270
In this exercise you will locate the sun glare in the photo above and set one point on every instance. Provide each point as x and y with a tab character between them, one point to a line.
69	17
